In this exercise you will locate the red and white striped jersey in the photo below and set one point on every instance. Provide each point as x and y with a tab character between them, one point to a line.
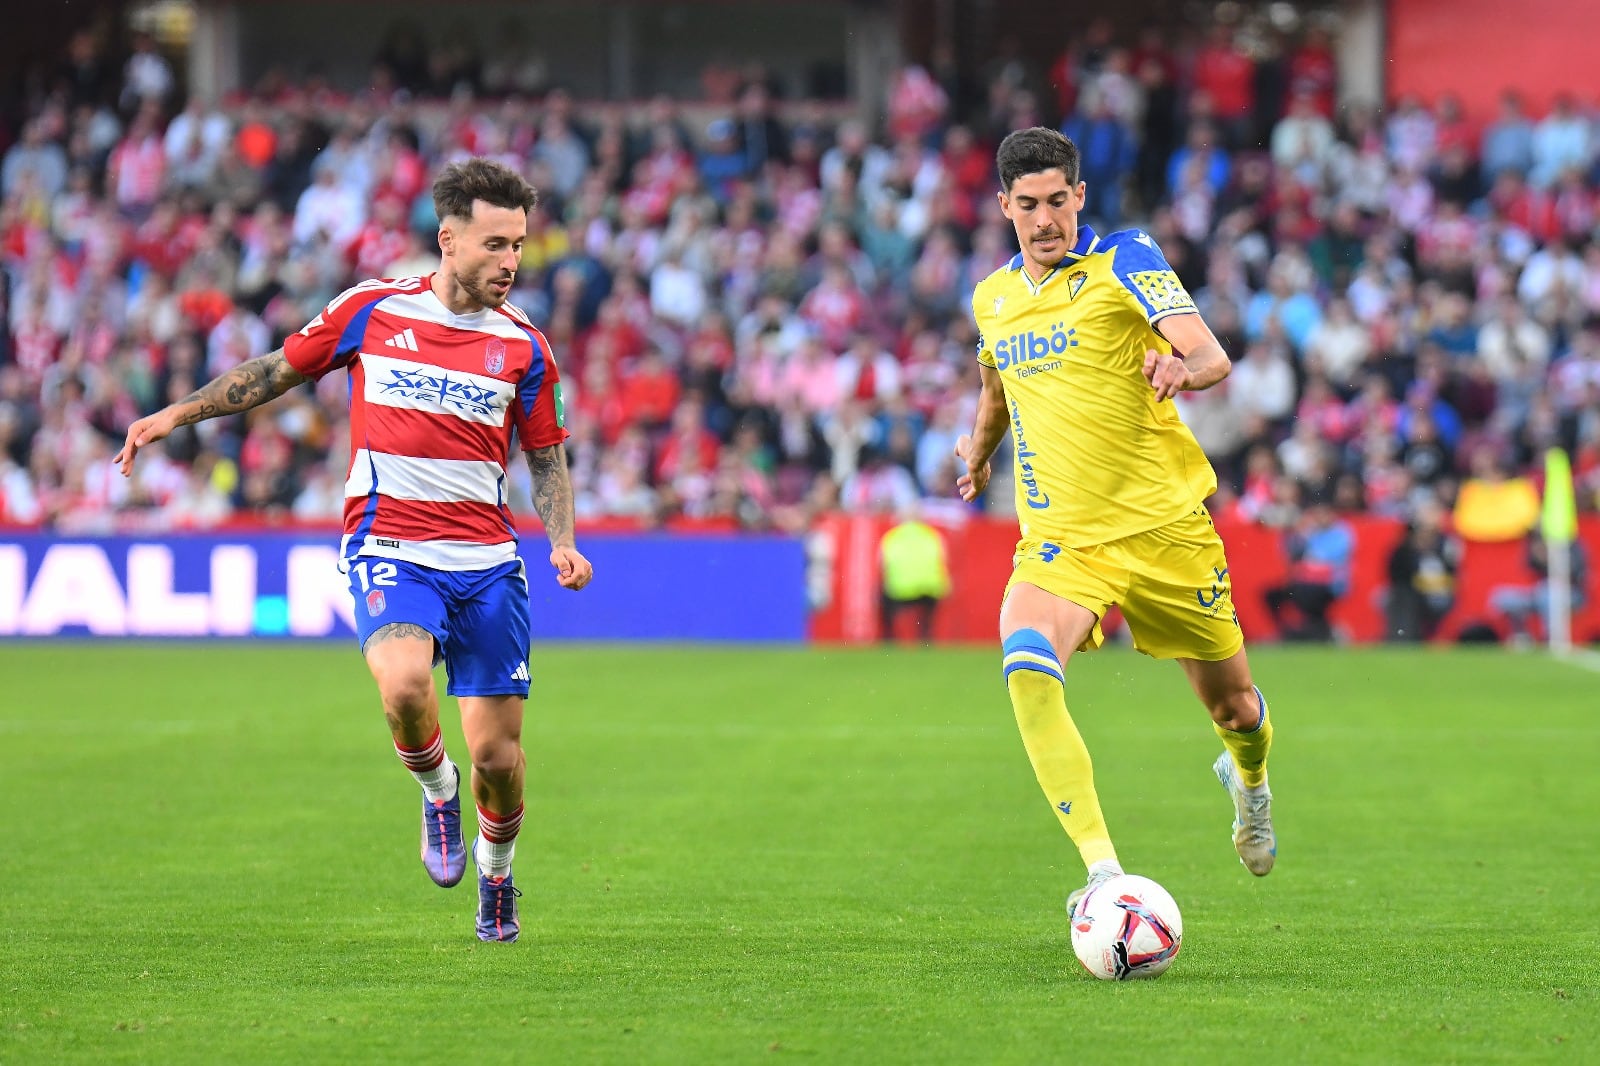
434	397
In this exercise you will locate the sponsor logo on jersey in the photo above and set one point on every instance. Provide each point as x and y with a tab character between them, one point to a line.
494	355
1037	498
1031	347
420	384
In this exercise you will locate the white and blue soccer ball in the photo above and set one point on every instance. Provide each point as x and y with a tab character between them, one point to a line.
1126	928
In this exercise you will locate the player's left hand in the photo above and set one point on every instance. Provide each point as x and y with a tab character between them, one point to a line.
1166	374
572	569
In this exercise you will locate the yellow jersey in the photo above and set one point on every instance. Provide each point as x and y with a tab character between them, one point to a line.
1096	457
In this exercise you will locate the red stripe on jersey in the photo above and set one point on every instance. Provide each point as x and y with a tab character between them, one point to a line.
425	435
479	523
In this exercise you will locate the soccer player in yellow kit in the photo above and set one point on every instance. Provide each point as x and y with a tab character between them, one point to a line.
1084	340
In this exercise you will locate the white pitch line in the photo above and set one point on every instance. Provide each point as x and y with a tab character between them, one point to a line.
1582	658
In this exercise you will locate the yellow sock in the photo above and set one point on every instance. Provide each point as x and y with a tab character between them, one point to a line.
1249	749
1060	760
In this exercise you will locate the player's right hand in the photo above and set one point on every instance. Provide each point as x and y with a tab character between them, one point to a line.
971	484
147	430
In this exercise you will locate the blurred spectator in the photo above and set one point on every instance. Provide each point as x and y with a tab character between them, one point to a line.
1492	506
35	166
1507	145
1302	141
1108	153
1262	382
1313	70
1225	74
147	77
1320	548
1422	577
1562	141
917	104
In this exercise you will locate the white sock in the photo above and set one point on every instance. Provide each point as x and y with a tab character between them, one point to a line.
439	784
431	767
494	859
494	856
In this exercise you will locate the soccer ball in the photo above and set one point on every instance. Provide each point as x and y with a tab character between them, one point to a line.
1126	928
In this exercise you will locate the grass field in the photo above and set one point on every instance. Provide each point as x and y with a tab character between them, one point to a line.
762	855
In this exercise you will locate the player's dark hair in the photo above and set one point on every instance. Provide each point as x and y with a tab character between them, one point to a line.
497	185
1034	151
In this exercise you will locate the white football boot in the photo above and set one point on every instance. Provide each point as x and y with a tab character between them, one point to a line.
1099	873
1253	838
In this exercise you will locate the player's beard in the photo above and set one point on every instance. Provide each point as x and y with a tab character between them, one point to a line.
482	292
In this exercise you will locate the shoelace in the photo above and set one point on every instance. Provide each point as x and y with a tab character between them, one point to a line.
1255	809
437	828
502	890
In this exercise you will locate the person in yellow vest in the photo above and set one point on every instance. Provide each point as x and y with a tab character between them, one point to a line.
1494	505
916	573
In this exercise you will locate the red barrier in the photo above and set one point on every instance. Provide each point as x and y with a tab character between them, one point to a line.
846	548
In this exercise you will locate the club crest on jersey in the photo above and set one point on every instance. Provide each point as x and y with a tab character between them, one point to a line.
1075	282
376	603
998	300
494	355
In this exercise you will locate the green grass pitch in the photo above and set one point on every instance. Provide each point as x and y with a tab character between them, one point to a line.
818	855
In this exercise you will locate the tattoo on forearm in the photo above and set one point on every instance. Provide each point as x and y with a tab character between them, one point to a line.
552	492
245	386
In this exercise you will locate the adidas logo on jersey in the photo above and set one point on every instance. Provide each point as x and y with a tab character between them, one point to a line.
521	672
404	339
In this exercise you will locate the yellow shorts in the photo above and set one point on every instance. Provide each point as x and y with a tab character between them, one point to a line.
1171	583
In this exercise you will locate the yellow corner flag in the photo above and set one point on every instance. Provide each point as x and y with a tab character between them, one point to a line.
1559	523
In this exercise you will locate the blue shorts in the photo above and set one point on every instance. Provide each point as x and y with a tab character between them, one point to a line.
478	618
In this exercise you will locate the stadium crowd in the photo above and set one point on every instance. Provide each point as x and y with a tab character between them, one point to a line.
763	314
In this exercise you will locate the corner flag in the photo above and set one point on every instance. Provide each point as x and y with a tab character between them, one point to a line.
1559	525
1559	522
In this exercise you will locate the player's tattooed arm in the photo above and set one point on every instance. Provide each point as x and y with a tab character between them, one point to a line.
247	385
552	493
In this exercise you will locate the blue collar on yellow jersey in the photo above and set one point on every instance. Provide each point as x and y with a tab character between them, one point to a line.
1085	245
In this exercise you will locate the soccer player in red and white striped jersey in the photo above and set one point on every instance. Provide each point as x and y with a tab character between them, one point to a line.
442	372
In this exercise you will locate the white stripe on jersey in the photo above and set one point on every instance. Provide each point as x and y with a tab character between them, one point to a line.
403	477
374	285
421	387
425	307
439	554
